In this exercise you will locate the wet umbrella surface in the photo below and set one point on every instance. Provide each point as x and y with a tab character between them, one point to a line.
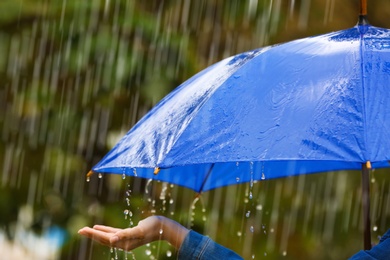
310	105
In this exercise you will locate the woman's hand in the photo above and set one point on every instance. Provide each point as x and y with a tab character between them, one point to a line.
148	230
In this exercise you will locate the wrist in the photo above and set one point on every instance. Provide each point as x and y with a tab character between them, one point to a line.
172	232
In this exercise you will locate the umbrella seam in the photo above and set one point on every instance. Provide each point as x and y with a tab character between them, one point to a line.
362	38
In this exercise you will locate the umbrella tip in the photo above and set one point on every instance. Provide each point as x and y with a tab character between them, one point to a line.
368	165
197	196
156	170
90	173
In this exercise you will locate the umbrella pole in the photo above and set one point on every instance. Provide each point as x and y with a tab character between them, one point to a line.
366	205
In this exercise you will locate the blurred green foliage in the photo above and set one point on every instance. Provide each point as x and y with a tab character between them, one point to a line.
76	75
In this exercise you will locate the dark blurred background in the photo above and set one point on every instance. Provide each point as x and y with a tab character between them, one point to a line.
76	75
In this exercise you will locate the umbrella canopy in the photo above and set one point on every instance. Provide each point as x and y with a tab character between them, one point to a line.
310	105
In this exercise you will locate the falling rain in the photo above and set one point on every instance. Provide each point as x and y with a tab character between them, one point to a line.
76	75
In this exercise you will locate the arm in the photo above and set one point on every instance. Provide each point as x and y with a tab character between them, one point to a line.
197	246
190	244
380	251
148	230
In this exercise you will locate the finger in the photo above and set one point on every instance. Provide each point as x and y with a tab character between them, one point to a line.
106	229
85	231
96	235
128	239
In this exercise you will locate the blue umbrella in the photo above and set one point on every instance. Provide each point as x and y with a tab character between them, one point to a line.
311	105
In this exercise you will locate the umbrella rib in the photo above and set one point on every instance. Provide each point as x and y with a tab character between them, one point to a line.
206	178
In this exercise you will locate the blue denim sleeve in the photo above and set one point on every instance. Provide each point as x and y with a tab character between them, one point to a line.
196	246
378	252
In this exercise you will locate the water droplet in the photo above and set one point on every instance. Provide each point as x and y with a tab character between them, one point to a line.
250	195
135	172
263	227
169	253
259	207
171	201
88	179
100	175
252	229
123	176
148	252
148	183
251	172
161	231
132	255
253	256
375	228
248	214
284	253
237	179
262	172
372	180
127	213
239	233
